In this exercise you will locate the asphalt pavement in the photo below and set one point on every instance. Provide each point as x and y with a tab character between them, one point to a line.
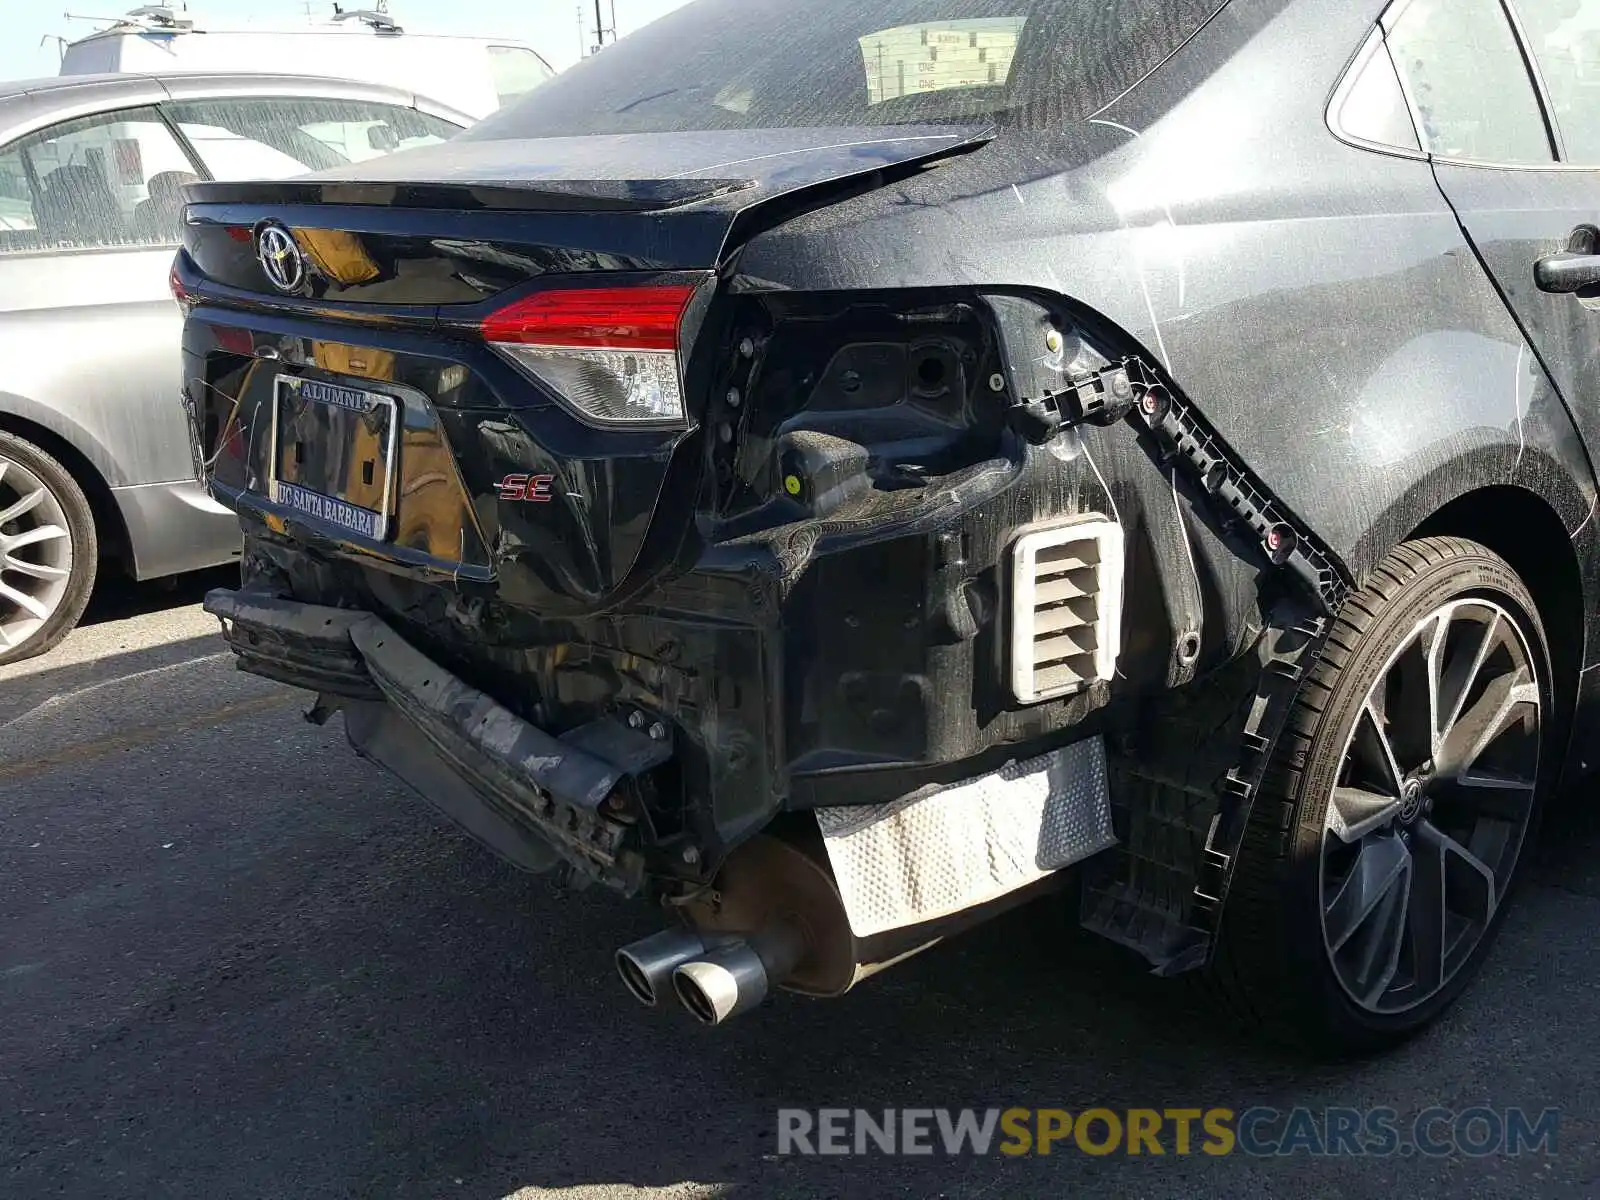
237	961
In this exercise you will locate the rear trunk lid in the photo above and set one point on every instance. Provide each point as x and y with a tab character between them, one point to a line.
462	221
370	400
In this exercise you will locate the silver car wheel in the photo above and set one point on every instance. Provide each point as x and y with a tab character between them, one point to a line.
35	554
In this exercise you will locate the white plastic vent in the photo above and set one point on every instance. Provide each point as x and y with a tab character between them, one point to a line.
1066	614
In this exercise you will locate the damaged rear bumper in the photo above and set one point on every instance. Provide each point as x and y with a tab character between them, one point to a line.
535	798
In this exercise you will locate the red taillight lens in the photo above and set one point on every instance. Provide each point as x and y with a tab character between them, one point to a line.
610	353
234	341
640	318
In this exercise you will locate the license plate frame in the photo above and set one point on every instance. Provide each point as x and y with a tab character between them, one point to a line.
333	406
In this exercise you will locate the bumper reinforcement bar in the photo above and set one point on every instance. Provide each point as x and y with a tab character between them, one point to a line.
498	776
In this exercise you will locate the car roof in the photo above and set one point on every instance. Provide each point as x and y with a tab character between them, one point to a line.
28	104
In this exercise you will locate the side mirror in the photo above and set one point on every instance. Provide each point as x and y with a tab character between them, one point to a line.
382	137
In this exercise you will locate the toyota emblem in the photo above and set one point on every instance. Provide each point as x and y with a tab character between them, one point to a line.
280	258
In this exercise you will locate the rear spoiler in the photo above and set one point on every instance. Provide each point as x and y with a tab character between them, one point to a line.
592	195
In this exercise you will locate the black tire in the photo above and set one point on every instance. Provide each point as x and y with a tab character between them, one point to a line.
1275	963
79	523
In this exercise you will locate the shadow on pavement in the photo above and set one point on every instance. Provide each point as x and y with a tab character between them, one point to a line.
247	963
23	690
116	597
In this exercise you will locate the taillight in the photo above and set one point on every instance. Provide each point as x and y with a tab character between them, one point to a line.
234	340
611	353
179	292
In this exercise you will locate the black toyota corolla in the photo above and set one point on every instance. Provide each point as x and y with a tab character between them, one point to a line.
828	467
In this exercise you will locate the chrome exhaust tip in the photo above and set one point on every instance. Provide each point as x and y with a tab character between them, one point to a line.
736	977
646	965
721	984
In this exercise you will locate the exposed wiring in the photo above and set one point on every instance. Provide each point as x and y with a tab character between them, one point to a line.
1095	467
1183	530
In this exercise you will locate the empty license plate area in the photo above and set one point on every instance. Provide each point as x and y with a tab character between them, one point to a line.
333	453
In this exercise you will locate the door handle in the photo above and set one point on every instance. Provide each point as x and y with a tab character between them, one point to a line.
1567	271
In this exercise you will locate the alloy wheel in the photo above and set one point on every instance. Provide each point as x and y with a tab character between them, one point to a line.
35	554
1433	799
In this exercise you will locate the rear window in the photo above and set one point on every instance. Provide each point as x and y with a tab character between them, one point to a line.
516	71
729	64
277	137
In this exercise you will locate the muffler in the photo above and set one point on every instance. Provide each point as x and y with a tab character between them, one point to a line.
646	966
775	919
735	977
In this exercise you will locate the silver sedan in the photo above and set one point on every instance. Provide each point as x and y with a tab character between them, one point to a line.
95	467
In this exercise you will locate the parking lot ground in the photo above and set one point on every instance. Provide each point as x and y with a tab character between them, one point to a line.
238	961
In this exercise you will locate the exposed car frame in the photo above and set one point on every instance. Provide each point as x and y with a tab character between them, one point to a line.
1217	343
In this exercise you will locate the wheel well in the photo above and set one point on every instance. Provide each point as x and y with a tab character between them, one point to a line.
109	527
1525	531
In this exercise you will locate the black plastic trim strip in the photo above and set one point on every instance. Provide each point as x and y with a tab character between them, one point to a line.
1186	437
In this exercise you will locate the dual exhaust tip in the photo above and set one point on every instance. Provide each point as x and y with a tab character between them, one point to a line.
714	976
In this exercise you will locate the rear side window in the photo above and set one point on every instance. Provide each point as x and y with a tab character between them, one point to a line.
17	222
1370	105
1467	83
516	71
1565	39
271	138
731	64
107	181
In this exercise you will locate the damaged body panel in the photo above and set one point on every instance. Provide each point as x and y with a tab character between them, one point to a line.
1004	468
